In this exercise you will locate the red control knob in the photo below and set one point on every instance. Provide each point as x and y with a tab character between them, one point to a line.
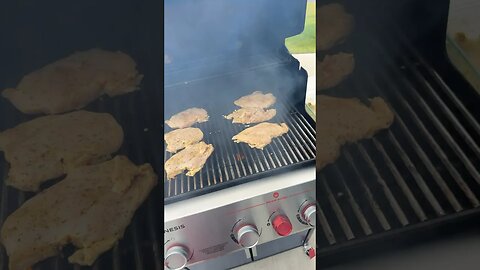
282	225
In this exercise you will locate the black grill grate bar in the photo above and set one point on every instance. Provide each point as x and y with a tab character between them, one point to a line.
3	213
327	230
55	263
353	203
416	175
137	252
152	229
400	181
434	144
219	158
4	199
211	176
169	184
371	199
337	210
116	262
386	190
420	152
237	148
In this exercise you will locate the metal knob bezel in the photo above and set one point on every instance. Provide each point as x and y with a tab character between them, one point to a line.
247	229
177	251
309	214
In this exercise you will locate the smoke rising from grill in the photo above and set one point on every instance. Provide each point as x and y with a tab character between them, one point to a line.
205	39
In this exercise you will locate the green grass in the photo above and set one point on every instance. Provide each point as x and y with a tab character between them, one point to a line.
304	42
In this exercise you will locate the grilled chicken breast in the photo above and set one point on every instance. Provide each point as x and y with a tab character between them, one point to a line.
181	138
334	69
74	81
46	147
260	135
341	121
90	209
251	115
192	159
256	99
333	26
187	118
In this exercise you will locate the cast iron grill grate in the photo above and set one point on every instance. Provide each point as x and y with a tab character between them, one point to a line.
232	163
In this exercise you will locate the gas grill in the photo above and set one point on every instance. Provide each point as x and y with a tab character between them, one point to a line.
245	204
421	175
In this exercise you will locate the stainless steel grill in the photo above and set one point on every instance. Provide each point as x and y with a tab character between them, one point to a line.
232	163
422	171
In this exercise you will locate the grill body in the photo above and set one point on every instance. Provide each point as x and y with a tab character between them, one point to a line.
239	184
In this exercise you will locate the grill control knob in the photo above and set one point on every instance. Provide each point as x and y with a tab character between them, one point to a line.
247	236
308	214
176	258
282	225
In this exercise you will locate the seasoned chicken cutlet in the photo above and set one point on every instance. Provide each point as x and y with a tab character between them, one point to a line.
46	147
334	25
90	209
187	118
261	135
251	115
334	69
181	138
192	159
341	121
74	81
256	99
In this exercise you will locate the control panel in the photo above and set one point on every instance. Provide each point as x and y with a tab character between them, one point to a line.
240	225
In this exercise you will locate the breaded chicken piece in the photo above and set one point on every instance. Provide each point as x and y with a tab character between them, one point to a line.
181	138
192	159
251	115
334	69
260	135
334	24
46	147
256	99
188	118
90	208
74	81
341	121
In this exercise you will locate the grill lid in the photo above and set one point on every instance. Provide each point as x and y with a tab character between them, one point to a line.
206	29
